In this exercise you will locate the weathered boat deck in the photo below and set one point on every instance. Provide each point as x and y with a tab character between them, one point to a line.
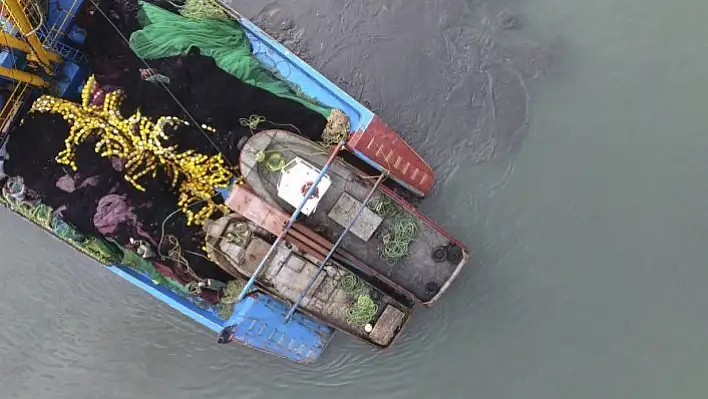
417	273
288	273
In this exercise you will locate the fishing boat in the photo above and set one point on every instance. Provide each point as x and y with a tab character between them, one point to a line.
32	33
270	280
390	240
331	294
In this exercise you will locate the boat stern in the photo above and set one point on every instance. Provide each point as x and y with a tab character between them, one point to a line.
382	148
259	322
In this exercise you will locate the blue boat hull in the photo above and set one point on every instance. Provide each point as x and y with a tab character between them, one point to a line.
258	320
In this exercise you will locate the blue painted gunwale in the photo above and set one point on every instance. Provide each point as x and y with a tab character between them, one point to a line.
313	84
258	320
277	57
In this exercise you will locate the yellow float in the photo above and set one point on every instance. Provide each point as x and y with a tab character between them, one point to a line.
139	142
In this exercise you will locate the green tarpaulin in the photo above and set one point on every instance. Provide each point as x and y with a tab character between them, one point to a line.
165	34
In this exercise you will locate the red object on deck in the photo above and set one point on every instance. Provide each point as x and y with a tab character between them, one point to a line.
382	145
252	207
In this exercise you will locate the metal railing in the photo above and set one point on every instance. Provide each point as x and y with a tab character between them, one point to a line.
12	106
36	13
49	35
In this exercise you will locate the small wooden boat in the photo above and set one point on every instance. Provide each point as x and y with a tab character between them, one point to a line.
403	250
334	296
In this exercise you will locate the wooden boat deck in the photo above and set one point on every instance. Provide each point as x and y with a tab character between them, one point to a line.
288	273
418	273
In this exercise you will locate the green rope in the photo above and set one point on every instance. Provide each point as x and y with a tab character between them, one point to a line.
232	290
348	283
203	9
274	160
252	122
337	128
362	311
384	206
396	241
229	297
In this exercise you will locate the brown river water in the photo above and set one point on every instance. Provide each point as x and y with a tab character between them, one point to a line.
566	136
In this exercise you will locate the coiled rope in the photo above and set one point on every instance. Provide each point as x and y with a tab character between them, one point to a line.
349	283
252	122
397	239
396	242
337	129
362	311
274	160
384	206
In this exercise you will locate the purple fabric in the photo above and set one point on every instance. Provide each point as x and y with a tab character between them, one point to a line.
112	211
90	181
67	184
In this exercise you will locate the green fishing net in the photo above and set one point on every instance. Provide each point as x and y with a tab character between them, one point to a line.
132	259
165	34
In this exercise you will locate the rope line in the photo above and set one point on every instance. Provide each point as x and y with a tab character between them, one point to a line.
362	311
396	241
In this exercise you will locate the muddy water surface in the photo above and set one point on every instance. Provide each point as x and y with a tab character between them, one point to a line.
570	143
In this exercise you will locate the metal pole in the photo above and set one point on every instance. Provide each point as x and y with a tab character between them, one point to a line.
291	222
334	248
22	76
19	16
9	40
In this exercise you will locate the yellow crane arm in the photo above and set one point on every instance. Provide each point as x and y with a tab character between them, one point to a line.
23	24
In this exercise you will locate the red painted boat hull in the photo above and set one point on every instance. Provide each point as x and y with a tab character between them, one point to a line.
382	147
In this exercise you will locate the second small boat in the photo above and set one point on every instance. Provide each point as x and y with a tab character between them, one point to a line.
331	294
401	250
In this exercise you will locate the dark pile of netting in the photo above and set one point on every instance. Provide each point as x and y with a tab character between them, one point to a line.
198	90
96	199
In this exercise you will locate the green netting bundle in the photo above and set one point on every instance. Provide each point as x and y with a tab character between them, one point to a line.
132	259
203	9
165	34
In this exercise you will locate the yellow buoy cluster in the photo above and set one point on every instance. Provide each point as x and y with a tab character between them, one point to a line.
139	142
